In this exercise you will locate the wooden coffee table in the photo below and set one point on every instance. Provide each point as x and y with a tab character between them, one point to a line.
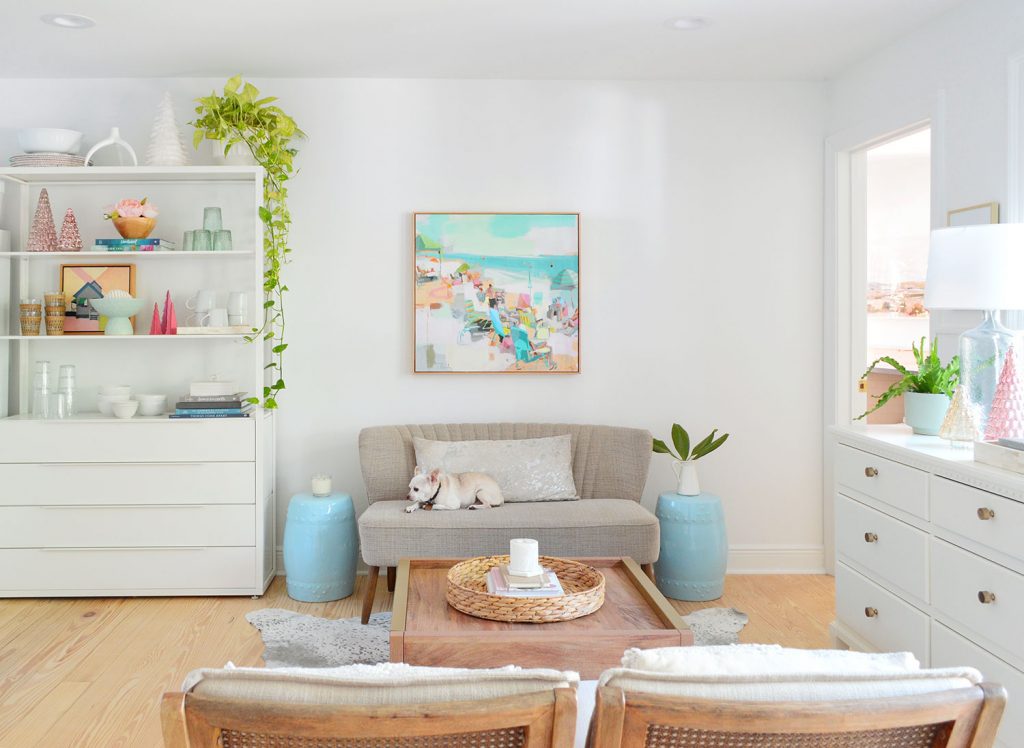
425	630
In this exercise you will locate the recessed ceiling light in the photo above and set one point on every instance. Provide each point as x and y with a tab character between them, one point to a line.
68	20
687	23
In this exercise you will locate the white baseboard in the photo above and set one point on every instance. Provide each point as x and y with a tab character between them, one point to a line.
776	559
743	559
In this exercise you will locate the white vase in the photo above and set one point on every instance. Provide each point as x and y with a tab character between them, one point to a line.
686	472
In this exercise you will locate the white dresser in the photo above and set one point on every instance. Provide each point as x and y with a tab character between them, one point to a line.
930	556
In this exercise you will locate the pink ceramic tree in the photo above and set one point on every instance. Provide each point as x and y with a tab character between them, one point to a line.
1007	416
42	236
70	238
155	326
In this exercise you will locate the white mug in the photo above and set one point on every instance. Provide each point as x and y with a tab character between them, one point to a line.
202	302
237	303
215	318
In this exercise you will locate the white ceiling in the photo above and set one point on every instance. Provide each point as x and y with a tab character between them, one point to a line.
539	39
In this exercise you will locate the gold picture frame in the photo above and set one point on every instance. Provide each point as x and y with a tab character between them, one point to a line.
973	215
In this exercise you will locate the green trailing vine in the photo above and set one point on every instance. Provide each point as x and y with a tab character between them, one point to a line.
240	116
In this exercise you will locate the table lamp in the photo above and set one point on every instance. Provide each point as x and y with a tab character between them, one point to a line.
978	268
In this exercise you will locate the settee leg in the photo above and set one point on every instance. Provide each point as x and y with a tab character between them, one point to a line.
369	592
392	573
648	570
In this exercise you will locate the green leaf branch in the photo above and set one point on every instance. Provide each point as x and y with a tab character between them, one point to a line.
681	441
239	117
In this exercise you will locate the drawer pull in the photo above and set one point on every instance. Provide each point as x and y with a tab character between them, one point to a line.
871	612
986	513
986	598
870	472
870	537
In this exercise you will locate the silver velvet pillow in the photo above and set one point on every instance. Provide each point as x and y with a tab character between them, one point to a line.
526	469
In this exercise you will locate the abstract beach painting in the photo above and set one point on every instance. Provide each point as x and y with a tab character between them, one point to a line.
497	292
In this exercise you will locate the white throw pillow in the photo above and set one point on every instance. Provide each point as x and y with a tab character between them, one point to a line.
768	672
384	684
525	469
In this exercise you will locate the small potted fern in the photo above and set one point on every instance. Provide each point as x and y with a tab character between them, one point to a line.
926	392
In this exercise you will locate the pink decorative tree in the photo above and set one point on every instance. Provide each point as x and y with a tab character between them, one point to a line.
156	327
42	236
169	325
1007	416
70	239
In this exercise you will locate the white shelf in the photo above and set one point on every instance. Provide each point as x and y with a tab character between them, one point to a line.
119	255
95	416
120	337
129	174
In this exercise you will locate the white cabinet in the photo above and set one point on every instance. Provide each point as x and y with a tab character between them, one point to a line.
929	557
145	506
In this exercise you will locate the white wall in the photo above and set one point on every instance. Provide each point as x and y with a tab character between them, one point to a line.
964	55
701	265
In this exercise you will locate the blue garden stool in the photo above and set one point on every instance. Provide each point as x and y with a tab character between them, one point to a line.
320	547
694	549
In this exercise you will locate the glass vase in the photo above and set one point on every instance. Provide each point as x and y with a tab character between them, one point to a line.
982	351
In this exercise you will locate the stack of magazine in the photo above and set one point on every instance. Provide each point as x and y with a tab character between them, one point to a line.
501	582
213	406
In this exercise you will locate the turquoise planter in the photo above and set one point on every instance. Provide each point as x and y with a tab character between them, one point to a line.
924	412
320	547
694	548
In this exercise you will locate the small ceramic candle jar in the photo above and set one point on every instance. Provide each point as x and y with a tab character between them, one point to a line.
524	557
321	484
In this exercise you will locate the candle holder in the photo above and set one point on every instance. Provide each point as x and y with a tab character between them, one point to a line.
321	485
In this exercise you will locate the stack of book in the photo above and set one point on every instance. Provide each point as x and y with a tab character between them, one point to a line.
501	582
133	245
213	406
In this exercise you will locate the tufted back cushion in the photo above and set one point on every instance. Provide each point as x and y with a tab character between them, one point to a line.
609	462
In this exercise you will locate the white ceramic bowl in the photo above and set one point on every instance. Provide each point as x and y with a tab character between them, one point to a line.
116	390
49	140
152	405
105	403
126	408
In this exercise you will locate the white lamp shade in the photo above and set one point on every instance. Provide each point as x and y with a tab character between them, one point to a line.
976	267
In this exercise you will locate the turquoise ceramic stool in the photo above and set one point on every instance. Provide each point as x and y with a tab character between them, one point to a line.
320	547
694	549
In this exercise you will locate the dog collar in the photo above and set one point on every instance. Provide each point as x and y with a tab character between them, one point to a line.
432	498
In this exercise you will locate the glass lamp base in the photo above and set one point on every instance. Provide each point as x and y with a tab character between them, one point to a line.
982	352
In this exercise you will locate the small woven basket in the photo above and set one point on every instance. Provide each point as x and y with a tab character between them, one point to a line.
583	586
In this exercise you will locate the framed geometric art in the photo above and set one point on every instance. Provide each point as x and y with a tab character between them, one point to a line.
497	292
80	283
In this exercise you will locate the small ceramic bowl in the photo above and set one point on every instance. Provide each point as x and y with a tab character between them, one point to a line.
105	403
116	390
49	140
126	408
152	405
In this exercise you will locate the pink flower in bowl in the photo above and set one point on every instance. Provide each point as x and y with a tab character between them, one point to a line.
131	208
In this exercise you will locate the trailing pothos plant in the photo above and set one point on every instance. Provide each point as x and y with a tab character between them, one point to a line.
239	116
931	377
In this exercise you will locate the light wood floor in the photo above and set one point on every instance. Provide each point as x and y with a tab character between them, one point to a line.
90	672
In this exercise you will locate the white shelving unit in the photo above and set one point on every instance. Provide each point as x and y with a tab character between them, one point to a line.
145	506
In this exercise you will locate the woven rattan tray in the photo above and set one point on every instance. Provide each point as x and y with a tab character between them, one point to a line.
583	585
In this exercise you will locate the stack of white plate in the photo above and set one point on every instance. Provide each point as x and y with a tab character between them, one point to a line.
47	159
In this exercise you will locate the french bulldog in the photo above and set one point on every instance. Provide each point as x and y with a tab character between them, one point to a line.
439	490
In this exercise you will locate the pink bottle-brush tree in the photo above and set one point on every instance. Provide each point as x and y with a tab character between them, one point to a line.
156	326
1006	420
172	321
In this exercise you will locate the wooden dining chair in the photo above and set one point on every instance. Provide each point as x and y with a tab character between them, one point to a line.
955	718
261	709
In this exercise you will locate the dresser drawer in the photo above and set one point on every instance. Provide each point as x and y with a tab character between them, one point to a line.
890	549
67	483
898	485
949	649
959	578
126	526
981	516
57	572
114	440
887	622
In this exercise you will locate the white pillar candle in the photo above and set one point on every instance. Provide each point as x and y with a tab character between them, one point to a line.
321	485
524	557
